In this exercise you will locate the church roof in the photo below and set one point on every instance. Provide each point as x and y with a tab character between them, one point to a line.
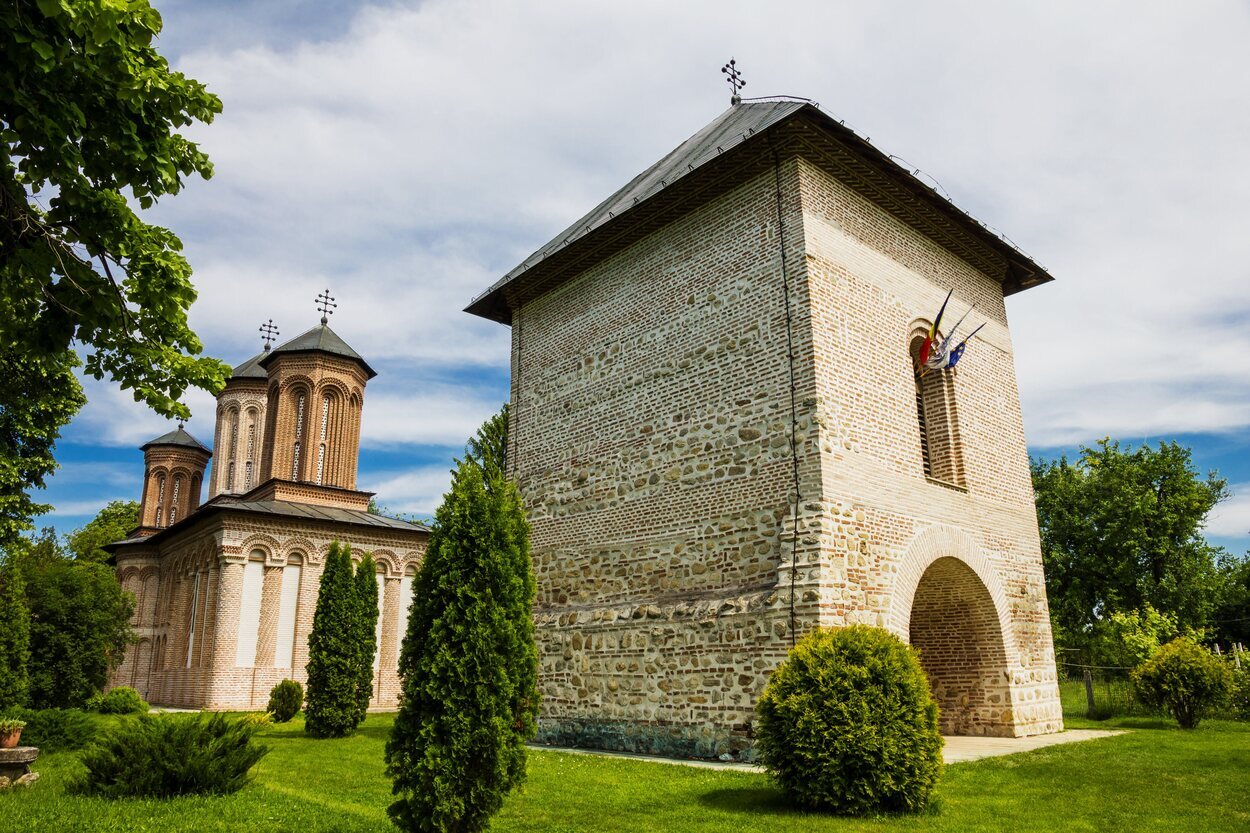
681	181
320	339
178	436
251	369
280	508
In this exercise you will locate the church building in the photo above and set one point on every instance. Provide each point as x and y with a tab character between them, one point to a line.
726	435
225	590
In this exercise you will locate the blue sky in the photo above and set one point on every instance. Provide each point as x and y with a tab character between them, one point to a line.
407	154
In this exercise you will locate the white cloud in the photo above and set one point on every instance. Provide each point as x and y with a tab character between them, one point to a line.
432	415
1231	519
418	491
410	159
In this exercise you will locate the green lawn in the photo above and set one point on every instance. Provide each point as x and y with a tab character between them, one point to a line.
1154	778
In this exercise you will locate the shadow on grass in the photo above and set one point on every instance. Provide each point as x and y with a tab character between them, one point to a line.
759	800
770	801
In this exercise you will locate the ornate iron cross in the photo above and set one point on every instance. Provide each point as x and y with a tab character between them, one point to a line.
268	334
326	305
735	80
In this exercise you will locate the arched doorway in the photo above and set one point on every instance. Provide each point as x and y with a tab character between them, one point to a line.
955	627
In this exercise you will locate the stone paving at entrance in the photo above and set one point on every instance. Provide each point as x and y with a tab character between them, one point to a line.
957	749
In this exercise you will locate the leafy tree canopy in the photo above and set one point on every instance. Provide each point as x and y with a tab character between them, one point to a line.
1122	528
488	448
89	114
333	651
113	523
79	623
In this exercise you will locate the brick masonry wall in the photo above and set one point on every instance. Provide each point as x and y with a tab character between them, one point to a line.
651	431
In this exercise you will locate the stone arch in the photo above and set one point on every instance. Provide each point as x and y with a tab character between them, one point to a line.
267	544
950	605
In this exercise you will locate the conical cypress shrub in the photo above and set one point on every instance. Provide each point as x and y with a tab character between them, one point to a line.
468	663
366	631
333	651
14	637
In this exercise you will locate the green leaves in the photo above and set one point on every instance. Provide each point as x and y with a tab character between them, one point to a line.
1122	528
469	662
333	651
89	110
1184	679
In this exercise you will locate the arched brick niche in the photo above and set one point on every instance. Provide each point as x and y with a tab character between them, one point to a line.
949	604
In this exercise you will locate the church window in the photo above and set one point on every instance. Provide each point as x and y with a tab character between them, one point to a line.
405	604
173	501
321	449
195	604
160	497
940	450
234	449
299	436
251	449
377	634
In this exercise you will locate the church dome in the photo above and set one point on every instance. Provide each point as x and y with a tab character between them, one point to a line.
320	339
179	437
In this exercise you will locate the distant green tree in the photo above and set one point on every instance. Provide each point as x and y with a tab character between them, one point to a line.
89	114
366	582
1122	528
112	523
79	624
333	651
468	663
1231	623
489	446
14	636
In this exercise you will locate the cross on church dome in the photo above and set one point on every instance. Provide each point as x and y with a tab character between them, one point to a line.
325	305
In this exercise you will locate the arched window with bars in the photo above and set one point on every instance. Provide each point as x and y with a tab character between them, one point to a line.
300	406
937	421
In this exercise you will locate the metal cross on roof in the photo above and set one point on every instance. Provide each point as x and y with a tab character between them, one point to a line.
735	80
268	333
325	303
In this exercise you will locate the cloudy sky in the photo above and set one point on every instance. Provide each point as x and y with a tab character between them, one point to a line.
407	154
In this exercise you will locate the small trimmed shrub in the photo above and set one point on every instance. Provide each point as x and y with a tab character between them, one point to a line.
161	756
847	724
120	700
285	700
258	719
1185	680
53	730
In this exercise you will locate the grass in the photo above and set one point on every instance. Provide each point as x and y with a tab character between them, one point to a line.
1157	778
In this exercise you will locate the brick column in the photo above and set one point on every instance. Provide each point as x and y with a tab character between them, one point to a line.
385	686
270	601
226	620
208	617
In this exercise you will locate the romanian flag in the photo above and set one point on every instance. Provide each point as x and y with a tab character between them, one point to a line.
933	331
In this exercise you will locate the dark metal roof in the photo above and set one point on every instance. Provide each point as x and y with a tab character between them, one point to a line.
320	339
740	125
282	508
251	369
178	436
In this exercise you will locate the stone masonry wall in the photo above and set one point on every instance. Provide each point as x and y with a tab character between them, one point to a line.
651	419
873	281
651	431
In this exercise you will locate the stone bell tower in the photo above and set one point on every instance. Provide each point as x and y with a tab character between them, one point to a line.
174	466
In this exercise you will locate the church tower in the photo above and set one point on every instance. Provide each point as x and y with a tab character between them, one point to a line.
240	428
316	388
174	466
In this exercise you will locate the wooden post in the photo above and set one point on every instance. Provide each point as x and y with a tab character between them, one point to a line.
1089	693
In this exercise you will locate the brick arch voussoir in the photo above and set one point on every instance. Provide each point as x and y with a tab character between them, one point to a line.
942	541
267	544
388	561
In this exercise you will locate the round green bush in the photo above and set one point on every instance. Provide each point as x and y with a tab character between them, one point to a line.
285	700
1185	680
120	700
847	724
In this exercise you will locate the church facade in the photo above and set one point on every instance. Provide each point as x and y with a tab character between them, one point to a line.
723	437
225	590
